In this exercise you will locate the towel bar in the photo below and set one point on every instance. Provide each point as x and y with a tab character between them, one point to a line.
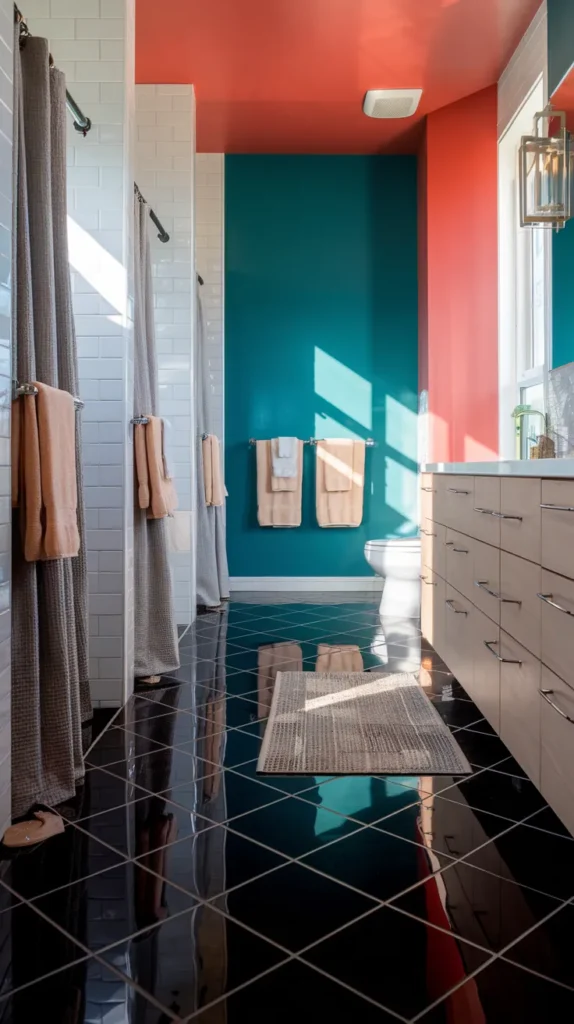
140	420
369	442
31	389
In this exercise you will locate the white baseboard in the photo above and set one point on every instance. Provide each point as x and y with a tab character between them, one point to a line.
256	584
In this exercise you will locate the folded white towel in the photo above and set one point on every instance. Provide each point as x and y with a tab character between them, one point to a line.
284	457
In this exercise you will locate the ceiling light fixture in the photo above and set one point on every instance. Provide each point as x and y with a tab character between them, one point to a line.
391	103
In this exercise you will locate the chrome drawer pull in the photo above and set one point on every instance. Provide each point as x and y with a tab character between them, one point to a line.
485	511
429	583
483	586
547	598
449	543
461	551
457	611
489	644
546	694
428	533
453	490
503	515
432	490
559	508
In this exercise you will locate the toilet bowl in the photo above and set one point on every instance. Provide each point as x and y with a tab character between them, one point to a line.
398	561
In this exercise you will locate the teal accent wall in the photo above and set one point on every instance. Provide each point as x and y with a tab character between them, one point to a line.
562	285
560	41
320	340
560	60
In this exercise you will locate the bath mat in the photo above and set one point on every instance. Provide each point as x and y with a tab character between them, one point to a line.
356	723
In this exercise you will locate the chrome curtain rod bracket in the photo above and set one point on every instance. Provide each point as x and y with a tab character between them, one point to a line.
162	233
369	442
19	390
82	123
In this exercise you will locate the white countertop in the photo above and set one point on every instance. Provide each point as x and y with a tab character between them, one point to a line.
520	467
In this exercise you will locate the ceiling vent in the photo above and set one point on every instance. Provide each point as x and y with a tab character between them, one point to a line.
391	103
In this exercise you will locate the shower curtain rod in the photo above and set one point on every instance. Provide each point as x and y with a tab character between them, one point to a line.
163	235
81	122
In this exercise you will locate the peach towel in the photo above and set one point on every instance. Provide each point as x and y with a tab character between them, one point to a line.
44	484
56	414
346	658
212	475
271	659
156	491
340	508
142	474
277	508
337	454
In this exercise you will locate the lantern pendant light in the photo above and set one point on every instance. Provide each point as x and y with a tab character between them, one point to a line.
545	171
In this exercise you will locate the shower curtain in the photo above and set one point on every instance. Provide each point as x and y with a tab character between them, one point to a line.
50	690
156	650
212	573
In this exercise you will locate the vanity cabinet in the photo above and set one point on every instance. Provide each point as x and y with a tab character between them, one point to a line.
498	607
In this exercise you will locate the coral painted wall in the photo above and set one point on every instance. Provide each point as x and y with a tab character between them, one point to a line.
458	279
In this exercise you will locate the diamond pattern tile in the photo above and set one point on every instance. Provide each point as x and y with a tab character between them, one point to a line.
188	887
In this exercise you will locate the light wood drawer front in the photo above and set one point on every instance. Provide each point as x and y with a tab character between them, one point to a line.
520	705
557	643
459	562
433	551
486	579
520	517
428	491
456	501
557	747
558	526
458	650
486	667
520	608
427	536
433	592
483	524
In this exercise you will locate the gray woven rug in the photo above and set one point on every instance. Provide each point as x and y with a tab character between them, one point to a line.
356	724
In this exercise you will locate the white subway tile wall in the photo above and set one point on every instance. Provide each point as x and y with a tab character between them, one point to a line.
209	212
165	152
528	62
6	91
93	42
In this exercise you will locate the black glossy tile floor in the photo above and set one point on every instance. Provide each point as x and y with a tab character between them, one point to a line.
187	887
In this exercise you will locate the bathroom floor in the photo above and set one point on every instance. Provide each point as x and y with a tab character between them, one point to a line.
188	887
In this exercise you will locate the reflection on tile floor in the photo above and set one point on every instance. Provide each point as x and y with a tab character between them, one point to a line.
187	887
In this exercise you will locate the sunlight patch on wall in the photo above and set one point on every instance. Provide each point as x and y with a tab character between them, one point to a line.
326	426
100	269
401	493
474	451
401	428
344	389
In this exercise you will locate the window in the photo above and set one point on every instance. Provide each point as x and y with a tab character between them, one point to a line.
524	299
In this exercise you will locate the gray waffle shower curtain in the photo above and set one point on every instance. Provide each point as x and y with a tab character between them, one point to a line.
156	651
50	692
212	573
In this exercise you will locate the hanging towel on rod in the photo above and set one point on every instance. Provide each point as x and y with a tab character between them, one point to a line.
44	473
156	491
340	508
284	458
337	454
212	475
277	508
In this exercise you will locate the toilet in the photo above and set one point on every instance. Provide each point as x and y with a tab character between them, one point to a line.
398	561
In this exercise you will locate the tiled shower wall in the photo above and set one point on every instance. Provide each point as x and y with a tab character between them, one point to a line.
165	152
93	43
209	211
6	36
